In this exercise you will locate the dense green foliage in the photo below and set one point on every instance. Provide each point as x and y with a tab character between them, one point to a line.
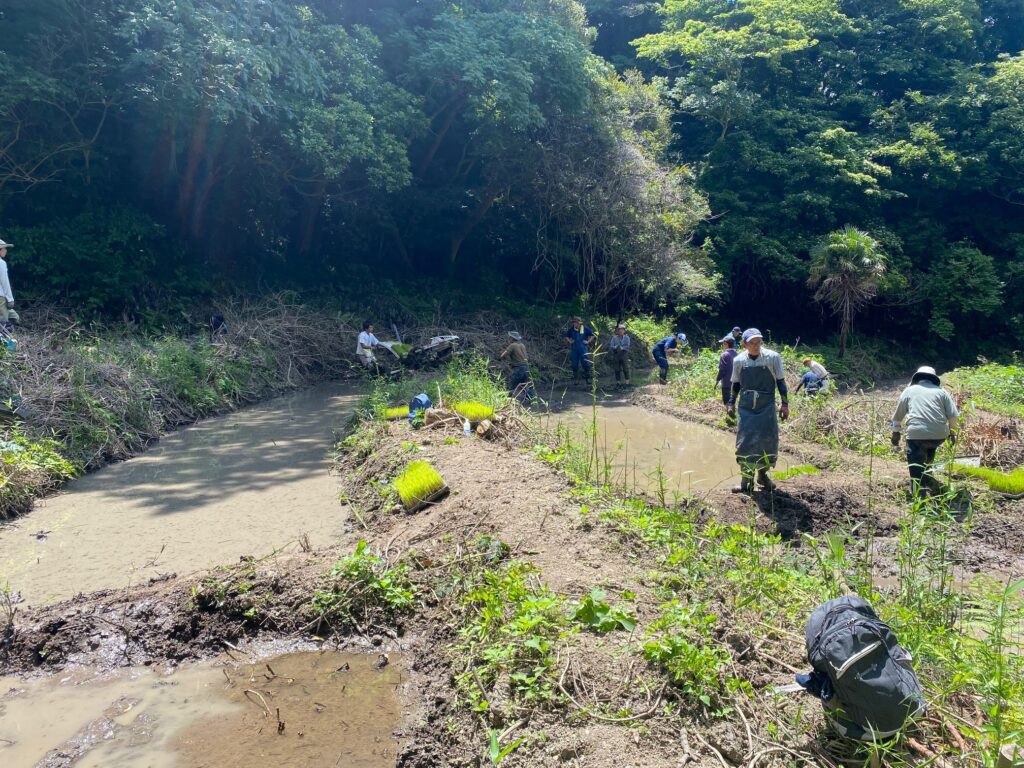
153	147
903	119
996	388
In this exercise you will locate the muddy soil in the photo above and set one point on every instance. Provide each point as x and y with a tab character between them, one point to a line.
499	489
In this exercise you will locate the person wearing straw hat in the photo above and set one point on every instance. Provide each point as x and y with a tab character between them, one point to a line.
7	312
620	344
515	353
756	374
930	417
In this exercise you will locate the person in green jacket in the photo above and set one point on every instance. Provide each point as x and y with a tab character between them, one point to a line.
930	417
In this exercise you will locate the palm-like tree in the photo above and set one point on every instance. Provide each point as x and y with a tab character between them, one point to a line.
846	268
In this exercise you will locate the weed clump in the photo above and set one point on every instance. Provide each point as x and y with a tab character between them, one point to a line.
28	468
361	590
474	411
419	484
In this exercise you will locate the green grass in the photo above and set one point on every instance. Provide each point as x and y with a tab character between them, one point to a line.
29	468
993	387
799	469
400	412
418	483
473	411
1003	482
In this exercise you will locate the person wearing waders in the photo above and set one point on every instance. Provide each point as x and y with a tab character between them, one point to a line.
931	419
725	363
756	374
515	353
670	345
620	355
579	337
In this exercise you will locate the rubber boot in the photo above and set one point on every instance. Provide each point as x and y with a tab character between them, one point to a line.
766	483
746	483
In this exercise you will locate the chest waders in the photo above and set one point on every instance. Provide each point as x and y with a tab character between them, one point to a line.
757	435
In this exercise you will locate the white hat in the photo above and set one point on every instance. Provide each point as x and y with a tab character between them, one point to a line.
515	336
925	372
5	245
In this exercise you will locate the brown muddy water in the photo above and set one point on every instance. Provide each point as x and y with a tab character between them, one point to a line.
243	484
646	448
305	709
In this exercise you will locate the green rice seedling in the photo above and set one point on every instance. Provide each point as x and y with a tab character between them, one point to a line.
419	484
1002	482
401	349
799	469
393	414
474	411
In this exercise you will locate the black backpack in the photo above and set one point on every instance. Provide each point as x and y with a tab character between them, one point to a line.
869	687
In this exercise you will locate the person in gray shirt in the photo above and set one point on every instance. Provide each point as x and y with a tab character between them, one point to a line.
620	355
930	417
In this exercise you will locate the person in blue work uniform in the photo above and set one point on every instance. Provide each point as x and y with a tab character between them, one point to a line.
670	345
756	373
580	337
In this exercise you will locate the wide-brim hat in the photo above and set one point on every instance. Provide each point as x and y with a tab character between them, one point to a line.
515	336
6	245
620	325
925	372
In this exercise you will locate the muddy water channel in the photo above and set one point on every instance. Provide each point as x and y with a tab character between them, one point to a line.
306	709
243	484
646	449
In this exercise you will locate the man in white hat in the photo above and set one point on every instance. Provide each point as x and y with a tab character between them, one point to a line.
756	374
7	312
931	419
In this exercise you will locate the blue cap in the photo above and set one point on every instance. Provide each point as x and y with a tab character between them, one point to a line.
751	333
681	337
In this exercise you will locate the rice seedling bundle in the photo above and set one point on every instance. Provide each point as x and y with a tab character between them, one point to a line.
418	485
474	411
400	412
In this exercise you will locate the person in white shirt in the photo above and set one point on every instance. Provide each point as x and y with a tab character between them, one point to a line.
366	346
818	370
7	312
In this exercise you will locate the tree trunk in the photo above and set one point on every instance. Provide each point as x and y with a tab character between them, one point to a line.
490	195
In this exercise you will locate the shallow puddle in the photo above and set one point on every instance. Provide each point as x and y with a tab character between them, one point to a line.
646	449
243	484
306	709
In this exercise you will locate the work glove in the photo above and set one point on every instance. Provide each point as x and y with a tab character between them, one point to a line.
952	438
895	439
784	412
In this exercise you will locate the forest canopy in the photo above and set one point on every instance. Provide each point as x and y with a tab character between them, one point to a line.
682	154
148	143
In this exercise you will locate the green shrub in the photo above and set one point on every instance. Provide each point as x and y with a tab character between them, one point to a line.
694	380
28	469
418	483
994	387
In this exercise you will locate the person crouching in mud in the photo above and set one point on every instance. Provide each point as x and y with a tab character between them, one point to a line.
756	373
